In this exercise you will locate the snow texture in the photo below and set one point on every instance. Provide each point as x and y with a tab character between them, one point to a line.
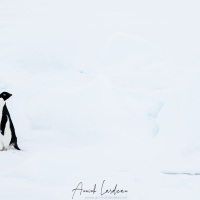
102	90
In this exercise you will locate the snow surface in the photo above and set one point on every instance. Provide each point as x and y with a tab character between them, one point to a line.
102	90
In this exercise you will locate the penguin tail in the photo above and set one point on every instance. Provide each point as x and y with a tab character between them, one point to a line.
16	146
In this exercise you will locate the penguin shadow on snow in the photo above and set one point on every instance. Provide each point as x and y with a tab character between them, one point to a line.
8	137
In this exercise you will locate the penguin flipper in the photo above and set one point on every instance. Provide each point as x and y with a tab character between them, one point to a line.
16	146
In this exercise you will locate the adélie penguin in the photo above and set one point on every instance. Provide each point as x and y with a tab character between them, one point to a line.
7	131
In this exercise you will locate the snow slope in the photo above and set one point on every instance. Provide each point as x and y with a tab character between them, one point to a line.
101	91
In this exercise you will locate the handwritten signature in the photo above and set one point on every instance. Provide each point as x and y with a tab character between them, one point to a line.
93	190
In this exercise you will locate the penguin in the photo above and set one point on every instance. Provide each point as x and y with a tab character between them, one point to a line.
7	136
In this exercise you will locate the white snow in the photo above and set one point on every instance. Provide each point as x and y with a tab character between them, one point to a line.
102	90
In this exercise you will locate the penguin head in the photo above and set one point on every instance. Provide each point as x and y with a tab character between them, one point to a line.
5	95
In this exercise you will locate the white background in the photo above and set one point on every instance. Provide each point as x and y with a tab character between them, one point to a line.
102	90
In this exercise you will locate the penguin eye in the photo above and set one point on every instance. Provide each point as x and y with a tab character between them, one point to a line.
4	94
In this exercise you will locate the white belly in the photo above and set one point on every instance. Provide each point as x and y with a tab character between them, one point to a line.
6	138
2	103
